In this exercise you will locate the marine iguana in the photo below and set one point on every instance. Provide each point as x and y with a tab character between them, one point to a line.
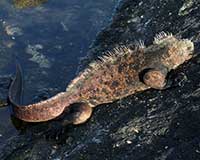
119	73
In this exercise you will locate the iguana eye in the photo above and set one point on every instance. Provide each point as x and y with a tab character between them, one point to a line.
142	73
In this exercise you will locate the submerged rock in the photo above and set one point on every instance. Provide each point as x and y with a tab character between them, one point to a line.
28	3
13	30
37	56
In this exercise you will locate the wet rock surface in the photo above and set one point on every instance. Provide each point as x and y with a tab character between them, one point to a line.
160	125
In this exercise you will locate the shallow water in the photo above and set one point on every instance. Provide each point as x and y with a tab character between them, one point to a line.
48	40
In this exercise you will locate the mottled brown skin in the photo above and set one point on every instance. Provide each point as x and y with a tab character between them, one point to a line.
120	73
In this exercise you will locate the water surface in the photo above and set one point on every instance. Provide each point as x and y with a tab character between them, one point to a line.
48	40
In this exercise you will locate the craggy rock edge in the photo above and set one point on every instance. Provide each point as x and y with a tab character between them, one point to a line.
160	125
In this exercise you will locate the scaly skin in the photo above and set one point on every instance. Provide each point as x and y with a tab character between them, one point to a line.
119	73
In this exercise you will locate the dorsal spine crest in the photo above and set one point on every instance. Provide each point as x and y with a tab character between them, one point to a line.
161	36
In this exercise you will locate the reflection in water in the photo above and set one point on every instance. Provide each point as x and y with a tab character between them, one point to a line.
27	3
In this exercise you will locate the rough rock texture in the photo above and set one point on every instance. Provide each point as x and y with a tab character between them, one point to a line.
158	125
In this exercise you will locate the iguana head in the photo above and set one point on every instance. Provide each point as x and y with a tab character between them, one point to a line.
177	51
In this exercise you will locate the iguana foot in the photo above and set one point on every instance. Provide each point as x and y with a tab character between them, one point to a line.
78	113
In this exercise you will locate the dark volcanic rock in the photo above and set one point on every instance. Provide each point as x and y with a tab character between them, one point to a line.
159	125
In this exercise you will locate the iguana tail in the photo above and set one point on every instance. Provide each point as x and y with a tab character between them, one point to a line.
38	112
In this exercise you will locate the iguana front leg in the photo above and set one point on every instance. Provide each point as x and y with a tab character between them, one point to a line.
155	78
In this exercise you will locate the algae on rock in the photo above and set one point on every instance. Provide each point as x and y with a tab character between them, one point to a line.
28	3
